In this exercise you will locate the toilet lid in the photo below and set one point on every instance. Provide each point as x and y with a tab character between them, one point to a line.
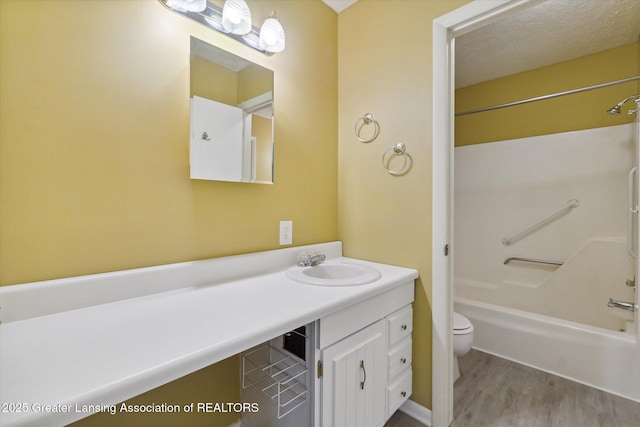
460	322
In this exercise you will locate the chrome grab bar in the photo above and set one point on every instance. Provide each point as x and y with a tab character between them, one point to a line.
537	261
621	304
631	211
573	203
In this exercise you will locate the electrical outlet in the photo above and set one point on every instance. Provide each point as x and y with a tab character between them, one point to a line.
286	232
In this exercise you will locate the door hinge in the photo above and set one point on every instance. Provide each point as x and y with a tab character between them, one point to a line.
319	368
446	250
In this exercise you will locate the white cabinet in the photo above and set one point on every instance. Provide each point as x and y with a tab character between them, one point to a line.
219	141
364	360
353	392
399	327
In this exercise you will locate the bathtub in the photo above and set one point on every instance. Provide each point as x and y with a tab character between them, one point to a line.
601	358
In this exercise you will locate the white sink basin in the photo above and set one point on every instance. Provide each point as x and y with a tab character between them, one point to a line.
334	274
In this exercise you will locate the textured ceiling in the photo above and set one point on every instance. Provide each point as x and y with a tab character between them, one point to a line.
547	33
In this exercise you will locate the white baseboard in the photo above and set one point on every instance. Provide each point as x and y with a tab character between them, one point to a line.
417	412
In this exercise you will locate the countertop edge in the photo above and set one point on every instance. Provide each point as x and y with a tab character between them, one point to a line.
155	376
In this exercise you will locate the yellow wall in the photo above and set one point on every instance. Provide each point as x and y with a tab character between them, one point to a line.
579	111
216	384
202	75
261	130
385	68
213	81
94	149
253	81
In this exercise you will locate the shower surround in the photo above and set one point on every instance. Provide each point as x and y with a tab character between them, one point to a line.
505	187
552	317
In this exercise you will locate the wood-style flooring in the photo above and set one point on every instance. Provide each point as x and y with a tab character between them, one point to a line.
494	392
400	419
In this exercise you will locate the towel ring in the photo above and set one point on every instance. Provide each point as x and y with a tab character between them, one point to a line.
397	150
367	119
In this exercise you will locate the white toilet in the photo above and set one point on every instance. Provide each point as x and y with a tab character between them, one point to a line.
462	340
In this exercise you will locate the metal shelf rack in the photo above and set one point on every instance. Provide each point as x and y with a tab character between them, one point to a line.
278	374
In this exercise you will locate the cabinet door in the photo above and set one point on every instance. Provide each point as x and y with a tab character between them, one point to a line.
220	155
354	379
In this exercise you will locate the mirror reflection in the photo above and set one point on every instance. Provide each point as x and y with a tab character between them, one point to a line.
231	117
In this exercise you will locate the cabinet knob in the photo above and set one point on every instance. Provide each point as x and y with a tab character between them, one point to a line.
404	327
403	393
403	360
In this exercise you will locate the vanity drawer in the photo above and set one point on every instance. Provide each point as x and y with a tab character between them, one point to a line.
398	393
351	319
399	359
400	325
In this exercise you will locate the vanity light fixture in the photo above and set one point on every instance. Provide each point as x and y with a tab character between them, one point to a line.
234	20
272	34
236	17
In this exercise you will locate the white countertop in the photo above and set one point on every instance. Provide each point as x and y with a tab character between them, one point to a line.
106	353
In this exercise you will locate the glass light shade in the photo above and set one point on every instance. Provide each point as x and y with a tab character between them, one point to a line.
187	5
236	17
272	36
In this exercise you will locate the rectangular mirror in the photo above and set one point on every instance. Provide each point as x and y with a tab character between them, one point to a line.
231	136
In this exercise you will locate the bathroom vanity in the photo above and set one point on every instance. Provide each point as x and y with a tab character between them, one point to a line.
365	360
108	337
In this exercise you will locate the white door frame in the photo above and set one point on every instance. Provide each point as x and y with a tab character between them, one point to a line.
445	28
636	236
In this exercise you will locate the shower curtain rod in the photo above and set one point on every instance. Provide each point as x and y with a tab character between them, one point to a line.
552	95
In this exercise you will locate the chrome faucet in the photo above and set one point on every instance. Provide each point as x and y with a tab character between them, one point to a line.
309	259
621	304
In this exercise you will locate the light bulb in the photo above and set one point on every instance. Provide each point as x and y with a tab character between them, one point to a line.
236	17
272	36
270	39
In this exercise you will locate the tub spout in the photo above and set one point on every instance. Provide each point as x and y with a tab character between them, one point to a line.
621	304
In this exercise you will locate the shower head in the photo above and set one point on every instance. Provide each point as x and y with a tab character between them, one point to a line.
615	110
